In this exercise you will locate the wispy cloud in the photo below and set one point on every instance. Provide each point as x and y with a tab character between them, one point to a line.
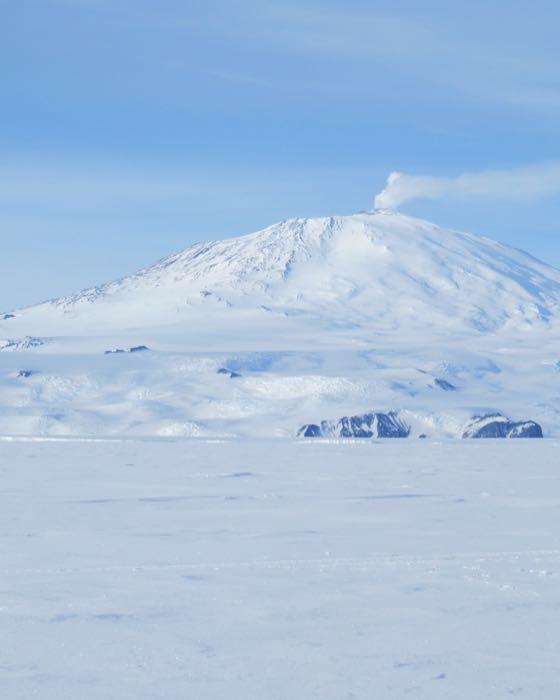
529	182
346	33
382	52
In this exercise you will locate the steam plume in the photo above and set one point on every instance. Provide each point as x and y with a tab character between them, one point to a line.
534	181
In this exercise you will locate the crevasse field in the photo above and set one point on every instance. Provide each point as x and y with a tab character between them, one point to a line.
279	569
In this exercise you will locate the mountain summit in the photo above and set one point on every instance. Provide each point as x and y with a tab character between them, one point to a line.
379	271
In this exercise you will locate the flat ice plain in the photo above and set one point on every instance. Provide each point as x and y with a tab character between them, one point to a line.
271	570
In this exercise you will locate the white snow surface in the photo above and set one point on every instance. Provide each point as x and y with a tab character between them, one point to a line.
380	270
250	570
321	318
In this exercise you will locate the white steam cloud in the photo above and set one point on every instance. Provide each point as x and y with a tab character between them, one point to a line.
530	182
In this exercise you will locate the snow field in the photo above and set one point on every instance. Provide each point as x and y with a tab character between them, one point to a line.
279	569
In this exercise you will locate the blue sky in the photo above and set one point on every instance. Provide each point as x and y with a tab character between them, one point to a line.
132	128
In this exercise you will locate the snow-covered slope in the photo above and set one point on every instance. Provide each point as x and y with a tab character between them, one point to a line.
379	271
307	321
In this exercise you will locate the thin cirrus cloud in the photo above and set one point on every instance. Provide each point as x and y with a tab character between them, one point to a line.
529	182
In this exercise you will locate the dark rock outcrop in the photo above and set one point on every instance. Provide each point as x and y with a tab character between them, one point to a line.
139	348
498	426
25	373
116	351
368	425
444	384
310	431
26	343
229	372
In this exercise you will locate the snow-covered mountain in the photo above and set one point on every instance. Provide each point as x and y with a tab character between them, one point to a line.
310	322
379	271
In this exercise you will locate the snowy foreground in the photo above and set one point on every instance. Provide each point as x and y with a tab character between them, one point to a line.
279	570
